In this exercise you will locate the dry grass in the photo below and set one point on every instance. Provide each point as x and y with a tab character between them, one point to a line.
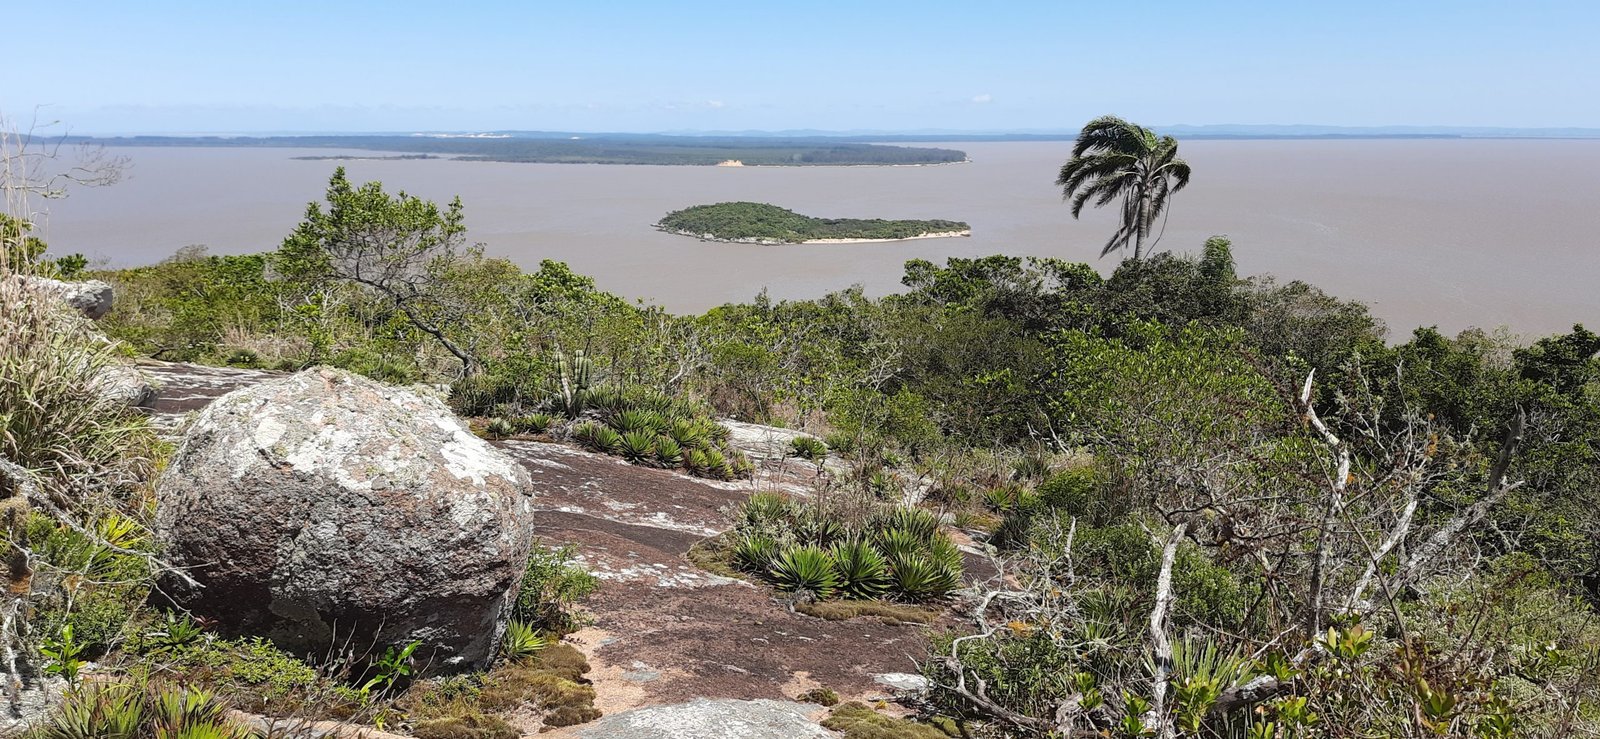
893	613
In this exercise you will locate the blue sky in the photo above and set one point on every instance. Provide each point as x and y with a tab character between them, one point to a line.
120	67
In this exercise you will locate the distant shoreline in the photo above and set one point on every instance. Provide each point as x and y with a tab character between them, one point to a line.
777	242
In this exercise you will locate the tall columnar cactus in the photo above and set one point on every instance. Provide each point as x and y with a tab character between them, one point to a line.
572	390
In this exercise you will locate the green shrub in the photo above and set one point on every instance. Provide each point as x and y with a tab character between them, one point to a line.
808	447
245	358
551	588
805	569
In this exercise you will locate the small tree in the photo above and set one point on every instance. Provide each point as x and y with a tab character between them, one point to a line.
401	247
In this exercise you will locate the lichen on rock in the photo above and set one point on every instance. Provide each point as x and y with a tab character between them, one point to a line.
330	511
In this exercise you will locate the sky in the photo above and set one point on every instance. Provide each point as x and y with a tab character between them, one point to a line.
102	67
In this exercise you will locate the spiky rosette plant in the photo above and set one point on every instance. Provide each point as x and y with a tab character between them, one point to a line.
637	446
919	578
765	510
898	543
920	523
808	447
536	423
668	452
689	434
863	572
500	428
805	569
754	552
598	437
637	420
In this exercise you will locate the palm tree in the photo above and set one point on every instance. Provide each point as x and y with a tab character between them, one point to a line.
1117	159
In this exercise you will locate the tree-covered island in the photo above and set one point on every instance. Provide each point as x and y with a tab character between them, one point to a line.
763	223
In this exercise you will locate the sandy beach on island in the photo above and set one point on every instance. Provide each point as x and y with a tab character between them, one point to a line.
935	235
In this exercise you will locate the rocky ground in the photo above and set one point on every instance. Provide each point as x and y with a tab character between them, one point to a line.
664	631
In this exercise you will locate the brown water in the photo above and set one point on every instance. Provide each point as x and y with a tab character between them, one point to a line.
1450	232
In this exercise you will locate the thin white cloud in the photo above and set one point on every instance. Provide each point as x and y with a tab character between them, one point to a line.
981	99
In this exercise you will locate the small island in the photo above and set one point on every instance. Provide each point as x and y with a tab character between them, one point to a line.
763	223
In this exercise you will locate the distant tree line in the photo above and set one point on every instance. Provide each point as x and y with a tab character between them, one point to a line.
685	150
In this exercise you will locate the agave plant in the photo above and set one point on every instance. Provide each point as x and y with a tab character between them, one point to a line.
668	452
765	509
609	401
754	552
919	579
919	522
598	437
521	641
500	428
898	543
126	710
805	569
820	528
808	447
863	572
637	446
943	550
695	461
536	423
637	420
716	465
689	434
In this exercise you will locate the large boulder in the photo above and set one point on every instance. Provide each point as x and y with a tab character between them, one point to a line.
326	510
92	298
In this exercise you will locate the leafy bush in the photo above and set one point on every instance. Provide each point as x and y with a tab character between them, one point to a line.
551	588
805	569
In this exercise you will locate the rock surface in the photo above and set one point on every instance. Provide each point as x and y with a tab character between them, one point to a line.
325	509
34	699
706	719
92	298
